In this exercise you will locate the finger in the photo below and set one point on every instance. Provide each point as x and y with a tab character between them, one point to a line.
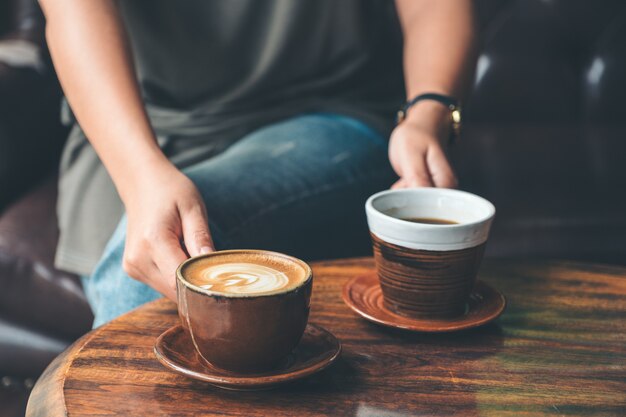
168	255
140	267
417	175
152	275
196	232
398	184
440	169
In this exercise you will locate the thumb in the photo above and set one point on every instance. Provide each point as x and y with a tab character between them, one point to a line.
442	173
196	233
417	174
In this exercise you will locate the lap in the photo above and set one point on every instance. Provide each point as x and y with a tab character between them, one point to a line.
297	186
296	177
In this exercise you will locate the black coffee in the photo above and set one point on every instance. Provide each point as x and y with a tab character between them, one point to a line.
429	220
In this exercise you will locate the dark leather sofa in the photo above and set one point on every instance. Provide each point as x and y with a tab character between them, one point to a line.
545	140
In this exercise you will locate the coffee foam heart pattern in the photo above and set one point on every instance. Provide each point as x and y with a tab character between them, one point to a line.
242	278
244	273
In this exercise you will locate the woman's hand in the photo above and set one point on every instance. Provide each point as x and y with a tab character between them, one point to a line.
439	54
416	152
166	216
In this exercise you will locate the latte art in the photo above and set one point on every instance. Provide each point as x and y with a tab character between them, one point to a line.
242	278
245	273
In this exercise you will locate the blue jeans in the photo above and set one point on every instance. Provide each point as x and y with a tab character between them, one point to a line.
297	186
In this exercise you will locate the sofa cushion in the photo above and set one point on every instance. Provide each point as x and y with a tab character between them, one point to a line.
35	294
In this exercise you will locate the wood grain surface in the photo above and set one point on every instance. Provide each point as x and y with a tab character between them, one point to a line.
559	349
426	283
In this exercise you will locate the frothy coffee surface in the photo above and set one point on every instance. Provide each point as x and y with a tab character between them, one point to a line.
245	274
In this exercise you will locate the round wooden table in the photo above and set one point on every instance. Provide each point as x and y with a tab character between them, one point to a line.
560	348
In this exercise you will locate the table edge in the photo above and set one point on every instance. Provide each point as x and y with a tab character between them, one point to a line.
48	395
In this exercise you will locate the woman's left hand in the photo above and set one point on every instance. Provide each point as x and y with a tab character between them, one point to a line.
416	154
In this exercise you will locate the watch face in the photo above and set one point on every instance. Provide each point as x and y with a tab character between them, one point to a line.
400	116
456	115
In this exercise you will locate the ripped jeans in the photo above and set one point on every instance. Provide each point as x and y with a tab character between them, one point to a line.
297	186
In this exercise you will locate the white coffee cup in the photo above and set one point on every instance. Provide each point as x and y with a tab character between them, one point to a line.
428	270
386	209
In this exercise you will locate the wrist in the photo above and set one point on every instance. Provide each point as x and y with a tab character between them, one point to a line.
430	116
143	172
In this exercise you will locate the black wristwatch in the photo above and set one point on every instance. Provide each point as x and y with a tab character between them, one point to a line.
450	102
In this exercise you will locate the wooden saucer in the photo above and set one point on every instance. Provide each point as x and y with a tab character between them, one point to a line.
363	295
318	348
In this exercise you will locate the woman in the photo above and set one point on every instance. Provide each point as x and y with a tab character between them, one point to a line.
218	124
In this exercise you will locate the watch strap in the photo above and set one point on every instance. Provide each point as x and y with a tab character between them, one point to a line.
448	101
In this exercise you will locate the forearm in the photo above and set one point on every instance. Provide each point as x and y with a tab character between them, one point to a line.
438	49
91	55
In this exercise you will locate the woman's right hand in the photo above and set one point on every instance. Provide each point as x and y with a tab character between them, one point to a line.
166	215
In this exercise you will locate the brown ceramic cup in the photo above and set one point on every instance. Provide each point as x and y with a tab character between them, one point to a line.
428	270
244	333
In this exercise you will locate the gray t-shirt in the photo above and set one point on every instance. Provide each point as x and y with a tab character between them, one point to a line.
212	71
